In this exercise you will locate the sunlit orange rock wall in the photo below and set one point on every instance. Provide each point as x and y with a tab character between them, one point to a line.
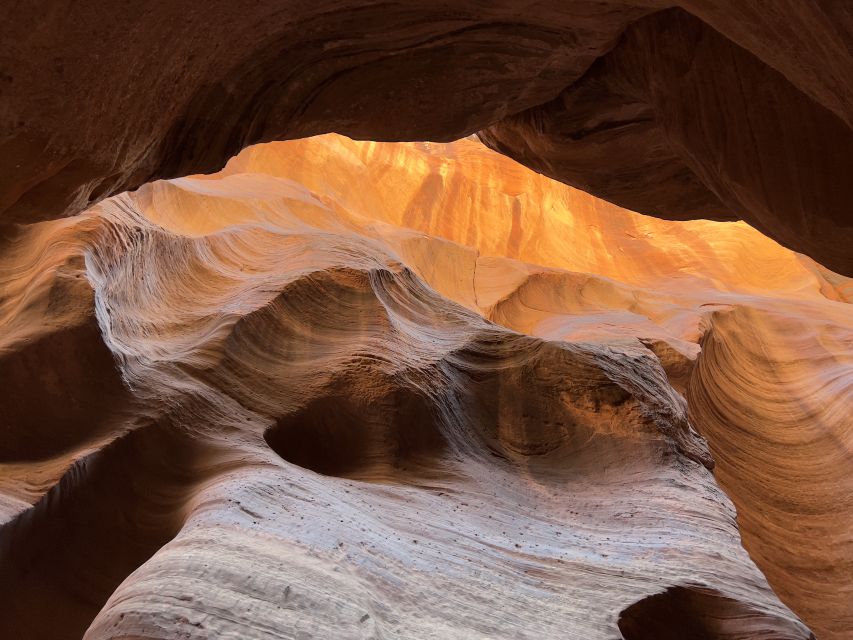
351	389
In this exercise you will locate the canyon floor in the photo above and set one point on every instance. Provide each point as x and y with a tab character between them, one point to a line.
415	390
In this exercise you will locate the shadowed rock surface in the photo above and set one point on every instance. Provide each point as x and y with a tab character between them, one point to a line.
685	612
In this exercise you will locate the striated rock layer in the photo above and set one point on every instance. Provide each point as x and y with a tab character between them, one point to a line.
362	390
679	109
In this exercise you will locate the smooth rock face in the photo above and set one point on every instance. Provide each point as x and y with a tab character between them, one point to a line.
694	109
362	390
772	394
681	123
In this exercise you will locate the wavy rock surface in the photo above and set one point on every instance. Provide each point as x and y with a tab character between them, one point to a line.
696	108
772	393
366	390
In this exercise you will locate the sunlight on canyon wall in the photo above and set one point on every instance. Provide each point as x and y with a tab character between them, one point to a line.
359	389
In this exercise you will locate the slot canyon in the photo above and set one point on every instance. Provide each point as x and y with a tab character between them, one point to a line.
457	320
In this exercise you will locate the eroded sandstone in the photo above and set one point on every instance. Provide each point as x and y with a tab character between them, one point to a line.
420	391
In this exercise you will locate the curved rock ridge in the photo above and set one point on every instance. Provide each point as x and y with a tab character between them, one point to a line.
772	393
695	108
415	390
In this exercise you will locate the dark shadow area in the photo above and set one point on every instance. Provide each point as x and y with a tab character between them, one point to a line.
58	392
61	560
697	613
360	433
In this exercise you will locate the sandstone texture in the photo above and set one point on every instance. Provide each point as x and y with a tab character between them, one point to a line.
373	390
718	109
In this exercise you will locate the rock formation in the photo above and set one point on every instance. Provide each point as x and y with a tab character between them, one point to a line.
688	109
359	390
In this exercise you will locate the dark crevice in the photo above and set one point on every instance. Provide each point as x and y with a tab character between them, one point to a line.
48	410
361	434
698	613
610	125
61	560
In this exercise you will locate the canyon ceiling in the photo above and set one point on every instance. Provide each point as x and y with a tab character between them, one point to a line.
554	341
716	109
